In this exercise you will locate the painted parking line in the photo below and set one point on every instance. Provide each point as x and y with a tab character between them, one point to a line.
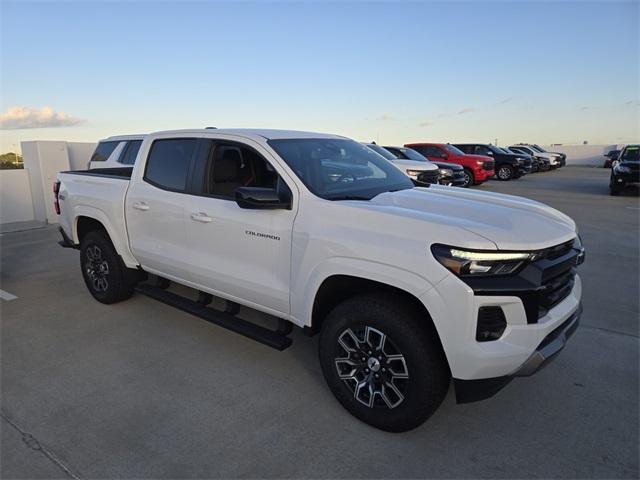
7	296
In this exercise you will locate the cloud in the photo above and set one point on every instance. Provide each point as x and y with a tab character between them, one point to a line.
466	110
426	123
386	117
506	100
586	108
26	117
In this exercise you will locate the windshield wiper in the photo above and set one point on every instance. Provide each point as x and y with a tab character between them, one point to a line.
349	197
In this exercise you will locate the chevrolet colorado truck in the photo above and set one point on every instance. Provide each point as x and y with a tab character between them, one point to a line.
408	287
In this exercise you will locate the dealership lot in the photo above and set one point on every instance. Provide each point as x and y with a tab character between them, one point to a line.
139	389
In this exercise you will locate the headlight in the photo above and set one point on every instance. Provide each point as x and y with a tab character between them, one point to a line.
414	173
445	172
622	169
520	160
479	163
466	262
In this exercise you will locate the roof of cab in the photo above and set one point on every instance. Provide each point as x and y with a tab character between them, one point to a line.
116	138
269	134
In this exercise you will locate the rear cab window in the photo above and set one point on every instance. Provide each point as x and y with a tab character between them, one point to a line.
104	150
128	156
169	162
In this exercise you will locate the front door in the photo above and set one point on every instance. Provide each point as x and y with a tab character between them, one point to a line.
239	253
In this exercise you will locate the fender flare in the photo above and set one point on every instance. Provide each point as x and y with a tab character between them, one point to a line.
122	248
302	299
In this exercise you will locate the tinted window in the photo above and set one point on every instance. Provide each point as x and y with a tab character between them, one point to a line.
340	169
103	150
631	154
378	149
130	153
169	161
231	166
412	155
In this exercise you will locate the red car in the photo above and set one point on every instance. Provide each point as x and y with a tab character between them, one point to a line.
477	168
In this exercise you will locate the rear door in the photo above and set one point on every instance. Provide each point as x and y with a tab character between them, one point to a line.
235	252
156	207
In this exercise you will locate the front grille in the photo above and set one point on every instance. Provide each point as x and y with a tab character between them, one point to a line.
429	177
490	165
555	290
541	284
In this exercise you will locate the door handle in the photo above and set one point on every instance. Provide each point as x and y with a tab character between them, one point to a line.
201	217
141	206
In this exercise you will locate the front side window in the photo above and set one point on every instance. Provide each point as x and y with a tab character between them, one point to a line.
168	163
231	166
454	150
103	151
340	169
130	153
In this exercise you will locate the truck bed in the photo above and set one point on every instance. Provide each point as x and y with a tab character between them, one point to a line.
114	172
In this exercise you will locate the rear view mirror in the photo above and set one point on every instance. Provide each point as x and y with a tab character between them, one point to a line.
262	198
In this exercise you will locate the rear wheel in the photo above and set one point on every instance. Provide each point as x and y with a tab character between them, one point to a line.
505	172
382	363
469	179
106	277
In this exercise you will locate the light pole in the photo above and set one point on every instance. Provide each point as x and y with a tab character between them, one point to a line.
15	152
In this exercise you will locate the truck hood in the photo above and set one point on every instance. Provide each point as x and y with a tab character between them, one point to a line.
403	165
510	222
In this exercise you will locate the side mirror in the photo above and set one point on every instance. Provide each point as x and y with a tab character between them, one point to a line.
256	198
615	163
444	155
489	153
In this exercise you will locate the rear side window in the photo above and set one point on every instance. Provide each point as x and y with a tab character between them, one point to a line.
130	153
103	151
168	163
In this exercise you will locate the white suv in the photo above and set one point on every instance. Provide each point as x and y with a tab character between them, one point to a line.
118	151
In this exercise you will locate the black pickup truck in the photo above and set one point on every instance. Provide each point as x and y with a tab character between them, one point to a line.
507	166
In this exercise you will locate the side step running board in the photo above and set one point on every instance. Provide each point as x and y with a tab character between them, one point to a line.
273	339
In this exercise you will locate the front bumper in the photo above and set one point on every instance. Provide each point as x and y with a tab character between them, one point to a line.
622	179
474	390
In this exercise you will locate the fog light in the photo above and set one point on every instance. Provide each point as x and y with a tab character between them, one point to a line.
491	324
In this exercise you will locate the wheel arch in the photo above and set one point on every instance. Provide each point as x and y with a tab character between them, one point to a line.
339	287
90	219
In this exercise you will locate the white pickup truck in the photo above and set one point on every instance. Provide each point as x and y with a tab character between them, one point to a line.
408	287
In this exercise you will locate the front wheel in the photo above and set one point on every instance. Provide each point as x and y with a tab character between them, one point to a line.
469	179
107	279
382	362
505	172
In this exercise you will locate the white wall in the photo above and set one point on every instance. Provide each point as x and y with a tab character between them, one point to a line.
80	154
586	155
44	159
16	204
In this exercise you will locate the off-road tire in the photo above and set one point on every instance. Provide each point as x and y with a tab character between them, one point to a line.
408	333
104	273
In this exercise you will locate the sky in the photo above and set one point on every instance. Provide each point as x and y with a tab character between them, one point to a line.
394	72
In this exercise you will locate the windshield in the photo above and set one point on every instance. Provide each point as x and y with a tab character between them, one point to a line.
411	154
378	149
454	150
538	148
630	154
340	169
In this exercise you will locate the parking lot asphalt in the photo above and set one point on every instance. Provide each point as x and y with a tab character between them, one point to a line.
139	389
